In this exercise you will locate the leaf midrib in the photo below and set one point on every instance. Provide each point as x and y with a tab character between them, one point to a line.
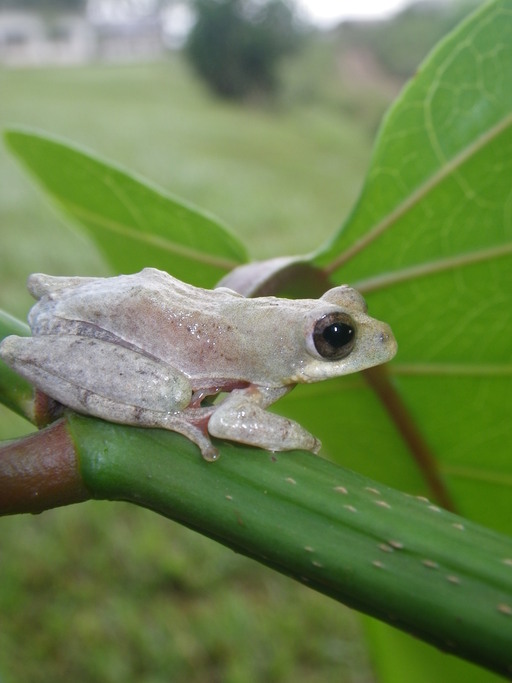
432	267
452	369
146	238
420	193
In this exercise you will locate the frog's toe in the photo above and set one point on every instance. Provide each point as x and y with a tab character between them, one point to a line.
39	284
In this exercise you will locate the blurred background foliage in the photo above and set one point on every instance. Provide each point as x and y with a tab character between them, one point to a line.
106	592
236	46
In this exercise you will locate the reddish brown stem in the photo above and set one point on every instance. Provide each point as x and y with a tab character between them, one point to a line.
40	471
379	380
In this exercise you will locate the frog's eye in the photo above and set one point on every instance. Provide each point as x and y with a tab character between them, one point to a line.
334	335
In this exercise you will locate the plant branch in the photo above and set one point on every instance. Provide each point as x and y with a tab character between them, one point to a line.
40	472
396	557
390	555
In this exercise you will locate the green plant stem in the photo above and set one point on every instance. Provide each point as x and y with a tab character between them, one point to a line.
393	556
17	394
388	554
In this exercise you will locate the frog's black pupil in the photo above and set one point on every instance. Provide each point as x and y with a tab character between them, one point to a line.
338	334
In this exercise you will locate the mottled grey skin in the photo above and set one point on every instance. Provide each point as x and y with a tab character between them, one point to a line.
146	349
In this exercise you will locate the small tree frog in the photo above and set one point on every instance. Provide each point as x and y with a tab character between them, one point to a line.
149	350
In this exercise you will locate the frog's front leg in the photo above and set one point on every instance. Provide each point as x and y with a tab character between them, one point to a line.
110	381
242	417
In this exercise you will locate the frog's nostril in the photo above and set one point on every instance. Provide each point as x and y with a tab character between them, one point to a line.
387	342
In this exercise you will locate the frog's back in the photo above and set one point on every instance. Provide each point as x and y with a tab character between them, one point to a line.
150	310
205	334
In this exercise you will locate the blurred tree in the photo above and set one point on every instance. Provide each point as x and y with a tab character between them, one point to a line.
236	45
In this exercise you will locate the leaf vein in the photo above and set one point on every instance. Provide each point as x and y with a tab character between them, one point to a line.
420	193
147	238
432	267
451	369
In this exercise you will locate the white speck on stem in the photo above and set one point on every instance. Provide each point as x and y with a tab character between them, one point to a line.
372	490
341	489
430	564
505	609
383	504
385	548
350	508
397	545
453	579
459	526
290	480
378	564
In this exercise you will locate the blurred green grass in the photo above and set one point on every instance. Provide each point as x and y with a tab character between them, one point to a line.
103	592
108	592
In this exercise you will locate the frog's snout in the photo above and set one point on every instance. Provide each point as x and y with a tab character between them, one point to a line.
387	340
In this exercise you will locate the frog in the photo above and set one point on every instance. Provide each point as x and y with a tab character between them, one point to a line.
149	350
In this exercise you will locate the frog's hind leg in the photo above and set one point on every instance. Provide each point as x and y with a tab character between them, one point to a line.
109	381
70	368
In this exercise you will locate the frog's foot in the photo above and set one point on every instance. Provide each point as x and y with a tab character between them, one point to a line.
191	424
242	417
195	434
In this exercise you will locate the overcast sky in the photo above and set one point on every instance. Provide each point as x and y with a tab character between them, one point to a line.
330	12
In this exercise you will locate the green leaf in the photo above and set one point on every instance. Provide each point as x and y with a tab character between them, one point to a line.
133	223
430	245
440	168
